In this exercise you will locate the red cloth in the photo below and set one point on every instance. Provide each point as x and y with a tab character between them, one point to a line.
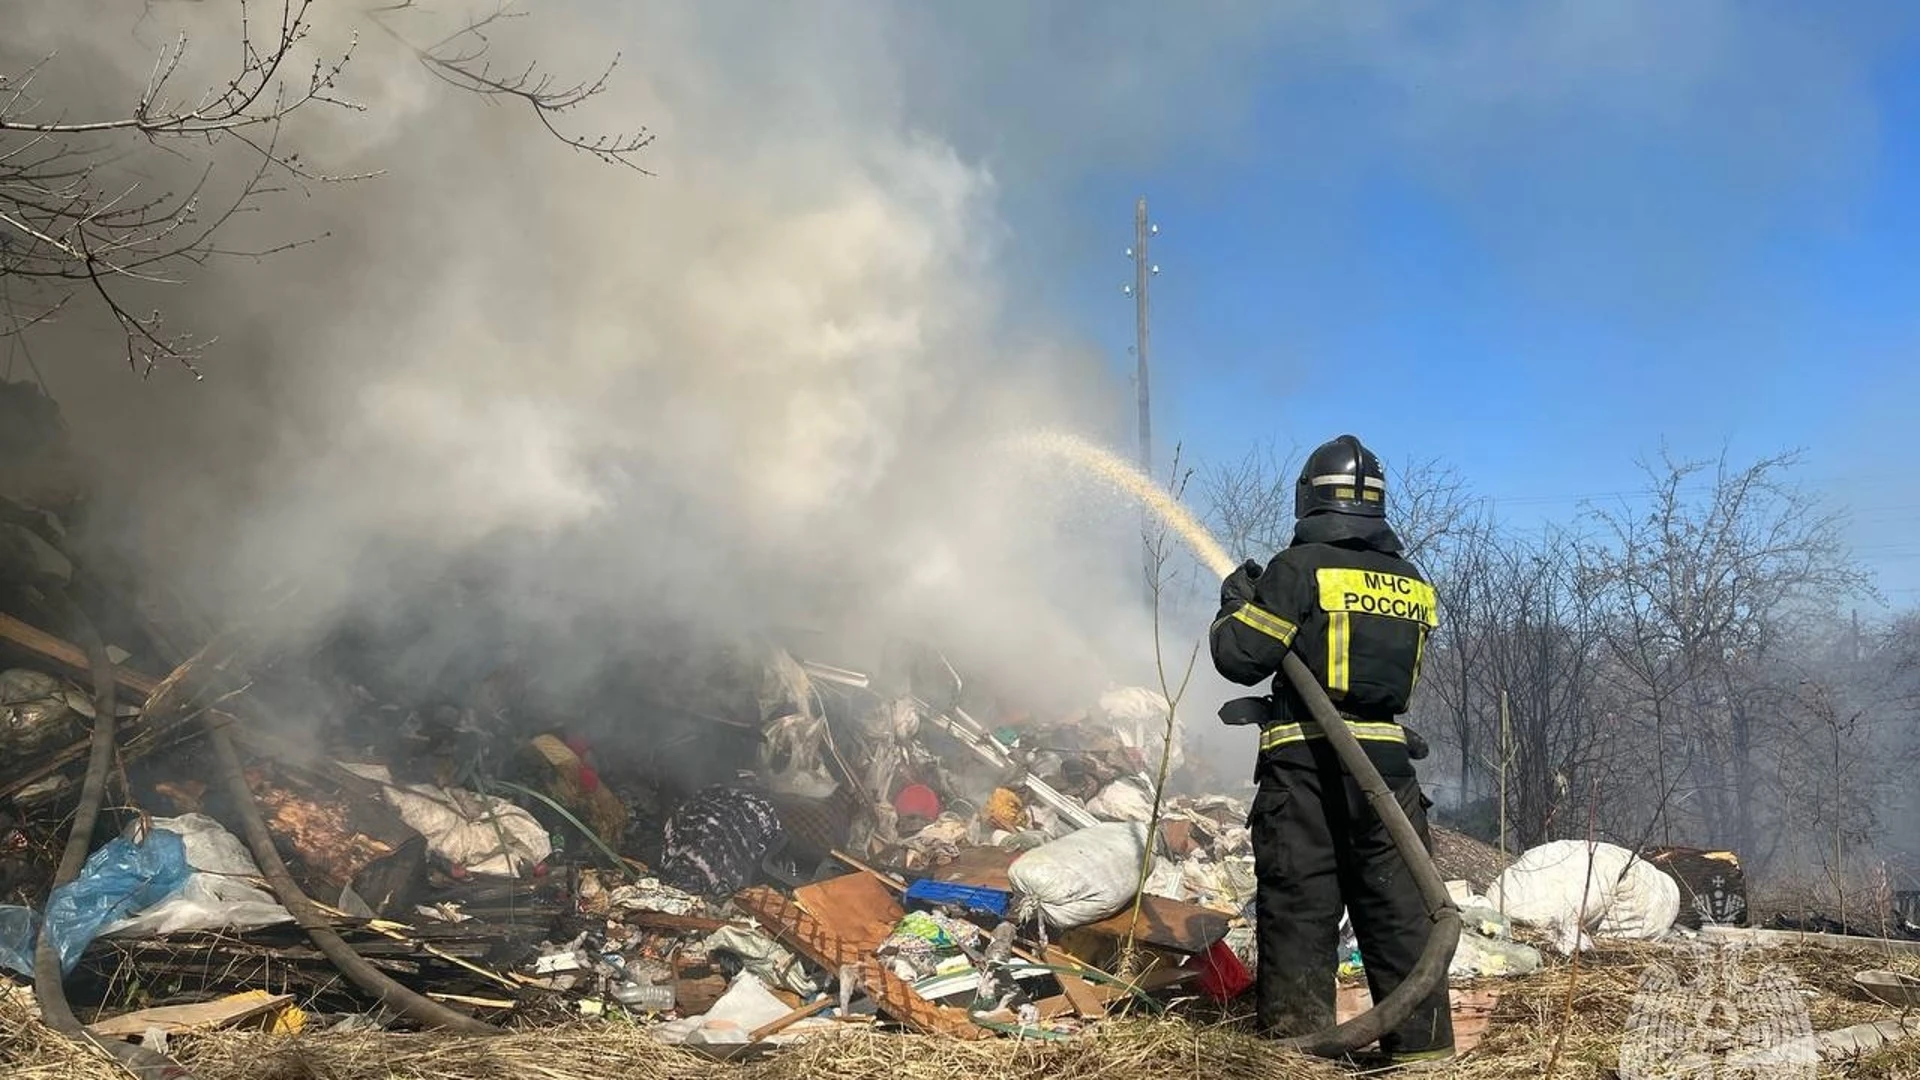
1222	976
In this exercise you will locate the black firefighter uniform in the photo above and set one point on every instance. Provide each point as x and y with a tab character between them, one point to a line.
1358	614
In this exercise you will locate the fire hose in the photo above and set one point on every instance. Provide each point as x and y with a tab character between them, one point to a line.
409	1003
1430	971
48	979
145	1063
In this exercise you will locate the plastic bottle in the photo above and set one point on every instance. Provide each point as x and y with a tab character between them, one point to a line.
646	997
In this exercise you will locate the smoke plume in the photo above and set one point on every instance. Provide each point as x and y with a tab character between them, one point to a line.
764	388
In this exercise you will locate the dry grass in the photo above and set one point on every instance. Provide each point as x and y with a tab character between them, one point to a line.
1132	1050
1590	1005
1532	1013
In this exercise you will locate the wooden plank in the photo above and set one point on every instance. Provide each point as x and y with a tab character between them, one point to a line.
68	655
202	1016
856	907
775	1027
1472	1011
1166	924
798	930
1086	1000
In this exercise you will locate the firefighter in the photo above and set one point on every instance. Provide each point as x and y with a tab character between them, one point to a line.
1344	598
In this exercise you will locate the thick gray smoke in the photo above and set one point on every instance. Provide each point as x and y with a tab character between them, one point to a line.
762	388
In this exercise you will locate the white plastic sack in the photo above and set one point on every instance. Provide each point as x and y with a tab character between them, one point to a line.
1126	799
218	895
763	958
486	835
1139	717
1082	877
1575	888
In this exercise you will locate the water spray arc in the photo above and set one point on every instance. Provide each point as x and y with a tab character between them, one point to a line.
1431	969
1111	470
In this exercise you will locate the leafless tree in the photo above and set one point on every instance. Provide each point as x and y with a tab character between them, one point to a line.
1430	507
1541	639
1449	702
1155	540
1249	502
82	220
1700	594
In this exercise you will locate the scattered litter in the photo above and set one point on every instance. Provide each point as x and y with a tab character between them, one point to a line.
478	834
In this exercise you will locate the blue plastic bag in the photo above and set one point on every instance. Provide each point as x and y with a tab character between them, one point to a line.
121	878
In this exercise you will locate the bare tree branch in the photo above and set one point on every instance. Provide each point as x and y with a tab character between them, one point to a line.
81	215
460	59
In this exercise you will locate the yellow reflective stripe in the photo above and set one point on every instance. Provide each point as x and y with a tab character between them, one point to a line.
1363	730
1339	648
1376	592
1419	654
1266	622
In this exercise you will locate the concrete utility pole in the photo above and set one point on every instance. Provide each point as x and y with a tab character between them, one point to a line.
1143	269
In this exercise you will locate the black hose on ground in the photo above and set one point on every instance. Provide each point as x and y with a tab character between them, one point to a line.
1431	969
368	978
48	979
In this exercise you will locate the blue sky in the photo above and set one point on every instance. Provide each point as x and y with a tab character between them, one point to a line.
1539	288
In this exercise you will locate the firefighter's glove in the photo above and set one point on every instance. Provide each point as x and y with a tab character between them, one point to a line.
1237	589
1417	747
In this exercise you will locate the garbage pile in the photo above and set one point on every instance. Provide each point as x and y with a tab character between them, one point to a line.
864	851
872	858
792	849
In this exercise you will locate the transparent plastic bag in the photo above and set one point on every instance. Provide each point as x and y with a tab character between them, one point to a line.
18	928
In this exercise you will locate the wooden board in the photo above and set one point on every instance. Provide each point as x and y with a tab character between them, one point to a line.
662	920
1085	998
203	1016
858	908
1472	1011
1165	924
68	655
797	929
